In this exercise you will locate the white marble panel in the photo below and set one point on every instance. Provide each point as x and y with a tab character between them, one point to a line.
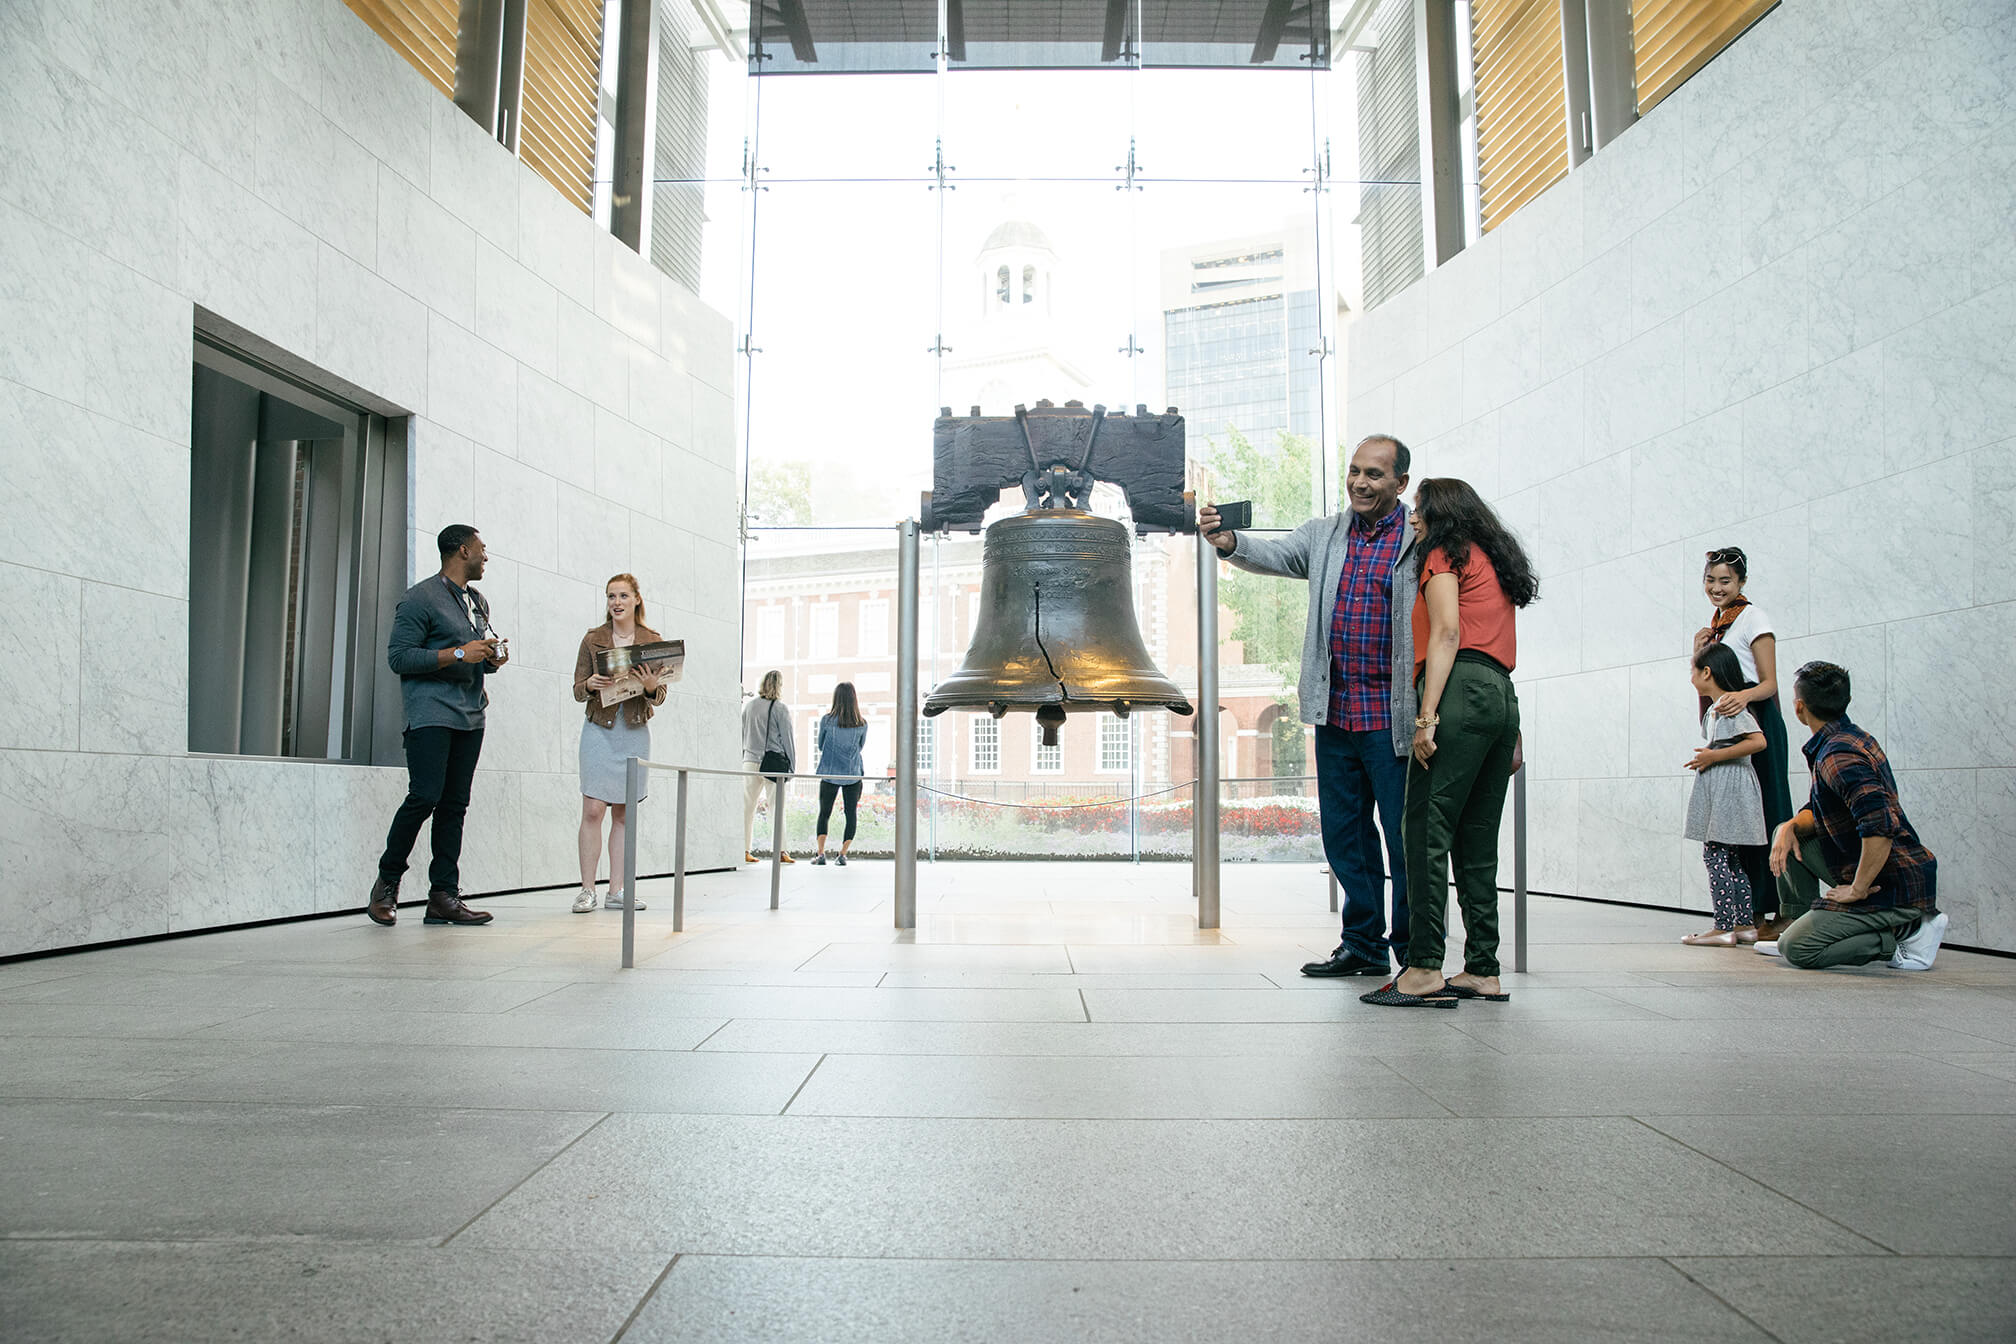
696	338
1995	841
1636	391
288	39
1551	630
554	611
79	326
353	809
1665	727
1633	608
531	712
714	434
245	260
1502	362
238	818
556	429
501	586
1978	193
683	478
712	516
1948	383
444	479
551	806
1540	435
661	397
1820	433
1388	340
1468	452
88	843
1520	512
40	651
1950	704
473	175
1863	651
1588	314
1681	482
1630	841
1428	398
1994	510
1733	107
1804	179
1633	181
85	164
1953	88
1586	517
1877	568
146	501
1369	413
315	174
1748	337
628	466
493	832
383	103
369	332
1463	294
1688	253
1888	266
593	359
661	556
144	711
1782	581
594	535
517	510
1541	244
1942	808
471	386
1579	727
516	310
556	240
716	569
425	250
628	295
1553	830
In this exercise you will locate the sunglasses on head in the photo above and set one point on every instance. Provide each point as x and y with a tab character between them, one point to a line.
1725	555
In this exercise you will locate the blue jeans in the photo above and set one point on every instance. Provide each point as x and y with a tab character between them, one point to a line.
1354	773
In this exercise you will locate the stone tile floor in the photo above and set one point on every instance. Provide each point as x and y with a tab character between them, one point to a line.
1057	1111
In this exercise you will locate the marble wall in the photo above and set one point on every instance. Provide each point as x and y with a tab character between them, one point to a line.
274	164
1778	312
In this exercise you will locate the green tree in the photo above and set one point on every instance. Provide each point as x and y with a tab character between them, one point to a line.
780	494
1269	614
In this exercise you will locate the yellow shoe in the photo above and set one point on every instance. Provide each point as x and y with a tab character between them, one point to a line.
786	858
747	857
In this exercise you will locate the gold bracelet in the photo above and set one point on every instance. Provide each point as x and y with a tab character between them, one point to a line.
1427	720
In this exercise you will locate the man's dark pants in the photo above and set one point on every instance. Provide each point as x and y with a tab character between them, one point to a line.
439	765
1354	773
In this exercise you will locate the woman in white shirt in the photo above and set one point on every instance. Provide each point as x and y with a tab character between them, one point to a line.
766	727
1741	626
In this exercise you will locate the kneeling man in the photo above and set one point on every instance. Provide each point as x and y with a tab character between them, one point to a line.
1876	885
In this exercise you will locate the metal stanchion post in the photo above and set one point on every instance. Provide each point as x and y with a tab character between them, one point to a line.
1205	806
907	581
679	860
633	795
1519	869
777	839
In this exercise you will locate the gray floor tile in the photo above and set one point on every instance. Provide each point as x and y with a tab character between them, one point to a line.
899	956
1930	1185
1873	1300
1853	1037
888	1005
1337	1001
710	1299
15	975
454	1030
1152	1087
87	1292
1664	1083
87	1066
1994	1065
164	1170
1295	1040
1835	995
1141	1189
549	1078
129	1020
1114	980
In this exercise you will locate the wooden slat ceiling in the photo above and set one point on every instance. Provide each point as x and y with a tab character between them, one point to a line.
1522	146
561	94
423	31
1671	39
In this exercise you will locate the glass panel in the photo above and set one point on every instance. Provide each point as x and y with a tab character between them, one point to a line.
1225	125
1037	124
1236	33
835	37
876	127
1033	34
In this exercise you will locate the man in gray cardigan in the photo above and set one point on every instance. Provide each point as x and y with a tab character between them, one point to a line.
1357	686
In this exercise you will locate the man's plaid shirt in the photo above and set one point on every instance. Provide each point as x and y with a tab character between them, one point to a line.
1361	628
1854	795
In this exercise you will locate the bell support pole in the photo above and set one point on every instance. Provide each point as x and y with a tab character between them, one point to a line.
1204	801
907	580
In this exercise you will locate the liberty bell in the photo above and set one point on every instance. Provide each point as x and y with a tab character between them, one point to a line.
1056	631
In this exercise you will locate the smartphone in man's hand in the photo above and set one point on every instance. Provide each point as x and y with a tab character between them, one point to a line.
1235	517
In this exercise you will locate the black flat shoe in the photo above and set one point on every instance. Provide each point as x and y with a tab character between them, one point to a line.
1390	995
1465	992
1346	963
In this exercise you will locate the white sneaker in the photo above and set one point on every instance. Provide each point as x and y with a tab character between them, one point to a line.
1917	952
585	901
1768	949
615	901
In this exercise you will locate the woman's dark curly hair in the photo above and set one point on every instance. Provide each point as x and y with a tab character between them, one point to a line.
1456	519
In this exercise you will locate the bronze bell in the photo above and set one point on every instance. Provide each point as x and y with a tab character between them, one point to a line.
1056	631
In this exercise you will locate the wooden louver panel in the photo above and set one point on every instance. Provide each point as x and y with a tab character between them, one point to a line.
423	31
1522	144
1671	39
561	94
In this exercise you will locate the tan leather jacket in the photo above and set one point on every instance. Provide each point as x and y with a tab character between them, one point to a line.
637	710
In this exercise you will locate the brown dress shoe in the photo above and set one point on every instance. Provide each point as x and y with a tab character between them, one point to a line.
383	903
444	906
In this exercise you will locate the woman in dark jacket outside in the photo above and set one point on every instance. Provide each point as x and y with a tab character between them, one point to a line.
611	735
1474	577
841	734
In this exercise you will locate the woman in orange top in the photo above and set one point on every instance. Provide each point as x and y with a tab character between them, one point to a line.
1466	737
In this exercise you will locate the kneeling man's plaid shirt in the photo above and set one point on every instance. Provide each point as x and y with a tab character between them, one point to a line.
1854	795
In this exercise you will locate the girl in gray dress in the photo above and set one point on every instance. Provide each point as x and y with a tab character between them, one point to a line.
1726	809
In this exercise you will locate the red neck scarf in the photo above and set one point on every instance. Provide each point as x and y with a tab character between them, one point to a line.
1724	617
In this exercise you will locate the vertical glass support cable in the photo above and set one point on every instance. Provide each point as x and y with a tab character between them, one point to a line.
751	187
1329	414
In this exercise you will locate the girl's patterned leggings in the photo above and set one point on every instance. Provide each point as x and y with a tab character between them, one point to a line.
1729	887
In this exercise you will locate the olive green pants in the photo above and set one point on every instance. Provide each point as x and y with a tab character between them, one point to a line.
1818	939
1451	816
1805	877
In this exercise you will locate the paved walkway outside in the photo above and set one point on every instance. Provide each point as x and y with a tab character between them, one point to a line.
1055	1112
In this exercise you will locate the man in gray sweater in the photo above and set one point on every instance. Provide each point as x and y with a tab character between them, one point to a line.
1356	686
443	649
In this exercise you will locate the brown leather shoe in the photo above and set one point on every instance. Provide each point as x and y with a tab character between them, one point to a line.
444	906
383	903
